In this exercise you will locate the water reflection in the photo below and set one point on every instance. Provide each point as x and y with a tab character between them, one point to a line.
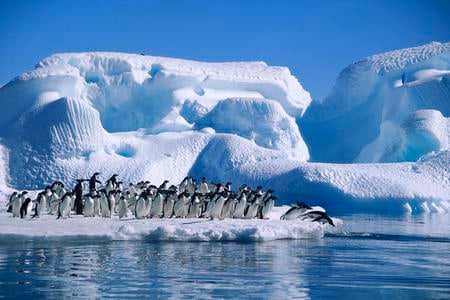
379	257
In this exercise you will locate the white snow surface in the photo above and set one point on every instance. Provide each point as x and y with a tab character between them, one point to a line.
153	118
80	228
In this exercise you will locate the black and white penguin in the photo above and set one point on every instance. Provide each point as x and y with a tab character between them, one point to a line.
169	202
88	209
163	185
191	186
78	192
111	204
228	186
112	183
295	211
318	216
252	209
65	206
203	187
123	207
139	209
228	207
25	208
156	210
183	184
218	206
40	206
17	204
267	207
12	198
180	209
93	182
239	210
195	207
148	203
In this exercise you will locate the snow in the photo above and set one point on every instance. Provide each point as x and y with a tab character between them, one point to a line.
154	118
78	227
372	99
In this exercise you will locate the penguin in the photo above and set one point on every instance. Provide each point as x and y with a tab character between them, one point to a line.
104	205
65	205
191	186
295	211
156	210
41	203
88	209
17	204
139	209
12	198
163	185
48	199
195	207
97	203
239	210
267	207
228	207
25	208
252	209
117	197
228	186
183	184
168	204
179	209
218	205
123	207
93	182
54	203
210	205
78	191
148	203
111	203
112	183
203	187
318	216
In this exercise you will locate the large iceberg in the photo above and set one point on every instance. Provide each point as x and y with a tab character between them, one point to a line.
154	118
367	117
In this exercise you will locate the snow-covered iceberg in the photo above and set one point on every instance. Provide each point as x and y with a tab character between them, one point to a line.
153	118
367	115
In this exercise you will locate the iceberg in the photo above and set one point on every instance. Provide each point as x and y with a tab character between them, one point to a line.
365	114
154	118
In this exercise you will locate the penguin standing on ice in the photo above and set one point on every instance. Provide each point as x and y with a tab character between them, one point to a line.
252	209
88	209
12	198
78	191
179	209
163	185
65	205
139	210
218	205
123	207
239	210
17	204
203	187
156	210
93	182
267	207
26	207
228	207
169	202
195	208
41	202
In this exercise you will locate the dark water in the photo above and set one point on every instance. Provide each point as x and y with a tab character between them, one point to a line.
397	258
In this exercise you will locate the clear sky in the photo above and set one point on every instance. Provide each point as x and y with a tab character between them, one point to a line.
315	39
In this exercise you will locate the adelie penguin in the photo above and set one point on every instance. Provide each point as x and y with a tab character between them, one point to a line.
88	210
65	205
318	216
25	209
93	182
41	203
123	207
295	211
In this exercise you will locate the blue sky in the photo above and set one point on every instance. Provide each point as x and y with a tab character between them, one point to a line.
315	39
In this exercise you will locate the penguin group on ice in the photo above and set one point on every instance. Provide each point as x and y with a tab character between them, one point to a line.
145	200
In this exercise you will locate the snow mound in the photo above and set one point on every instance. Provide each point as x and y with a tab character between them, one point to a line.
80	228
372	99
261	120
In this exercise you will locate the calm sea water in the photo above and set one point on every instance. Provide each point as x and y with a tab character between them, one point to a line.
377	257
